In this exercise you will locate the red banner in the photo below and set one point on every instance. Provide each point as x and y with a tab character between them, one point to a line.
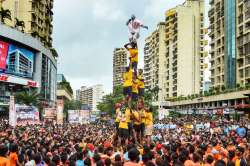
3	54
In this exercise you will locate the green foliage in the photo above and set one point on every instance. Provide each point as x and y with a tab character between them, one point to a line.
71	105
5	14
109	101
19	23
28	98
54	52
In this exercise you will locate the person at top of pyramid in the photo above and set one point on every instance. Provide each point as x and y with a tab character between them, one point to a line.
134	26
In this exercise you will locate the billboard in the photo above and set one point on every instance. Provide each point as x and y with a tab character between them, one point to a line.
12	112
26	115
79	116
59	111
15	60
50	113
73	116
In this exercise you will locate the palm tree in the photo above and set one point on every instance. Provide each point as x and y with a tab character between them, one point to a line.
19	23
5	14
28	98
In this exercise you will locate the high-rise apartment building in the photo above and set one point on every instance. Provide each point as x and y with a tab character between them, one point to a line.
230	42
154	61
119	63
185	42
36	14
243	40
91	96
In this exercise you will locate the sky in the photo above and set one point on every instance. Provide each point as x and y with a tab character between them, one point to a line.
87	31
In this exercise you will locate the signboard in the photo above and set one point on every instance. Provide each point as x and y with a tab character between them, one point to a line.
12	112
50	113
26	115
59	110
79	116
15	60
4	47
73	116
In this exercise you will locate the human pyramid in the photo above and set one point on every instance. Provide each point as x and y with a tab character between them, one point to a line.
134	119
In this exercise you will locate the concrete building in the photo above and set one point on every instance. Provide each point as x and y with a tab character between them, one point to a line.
31	67
63	92
237	100
154	61
36	14
91	96
77	95
119	63
185	40
229	26
243	42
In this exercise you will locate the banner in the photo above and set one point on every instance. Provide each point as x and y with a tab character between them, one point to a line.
12	112
26	115
59	110
73	116
79	116
50	113
4	47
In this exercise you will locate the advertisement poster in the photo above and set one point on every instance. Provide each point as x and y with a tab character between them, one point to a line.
4	47
73	116
12	112
26	115
59	110
16	60
50	113
79	116
85	116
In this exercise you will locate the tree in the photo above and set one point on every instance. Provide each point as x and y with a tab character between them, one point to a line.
71	105
28	98
5	14
19	23
109	101
54	52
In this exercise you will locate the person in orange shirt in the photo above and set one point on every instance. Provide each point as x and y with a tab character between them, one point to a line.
4	161
13	155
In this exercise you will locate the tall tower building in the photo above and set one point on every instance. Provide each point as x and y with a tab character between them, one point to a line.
230	42
91	96
185	42
119	64
36	14
154	61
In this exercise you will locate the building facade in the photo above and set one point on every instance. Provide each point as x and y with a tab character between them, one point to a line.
185	40
25	64
91	96
155	60
36	14
119	63
243	40
64	90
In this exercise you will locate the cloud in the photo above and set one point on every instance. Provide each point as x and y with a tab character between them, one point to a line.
87	31
109	11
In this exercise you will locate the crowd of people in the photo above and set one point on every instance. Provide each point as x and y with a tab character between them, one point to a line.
174	142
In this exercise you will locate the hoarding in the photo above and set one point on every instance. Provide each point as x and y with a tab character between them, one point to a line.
79	116
50	113
26	115
15	60
12	112
73	116
59	110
